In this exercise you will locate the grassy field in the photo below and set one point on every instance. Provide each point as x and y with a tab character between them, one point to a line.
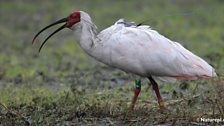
64	86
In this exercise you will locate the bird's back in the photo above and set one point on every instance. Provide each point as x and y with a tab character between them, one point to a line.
143	51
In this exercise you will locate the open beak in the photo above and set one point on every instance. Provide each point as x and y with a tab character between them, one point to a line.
59	29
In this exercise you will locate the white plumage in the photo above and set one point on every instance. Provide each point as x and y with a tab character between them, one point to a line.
140	50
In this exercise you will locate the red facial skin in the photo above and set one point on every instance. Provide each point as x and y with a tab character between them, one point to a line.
73	19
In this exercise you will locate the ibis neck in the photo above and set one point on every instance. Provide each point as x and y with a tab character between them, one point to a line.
88	37
90	41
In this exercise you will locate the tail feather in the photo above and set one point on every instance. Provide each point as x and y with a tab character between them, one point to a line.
197	67
190	67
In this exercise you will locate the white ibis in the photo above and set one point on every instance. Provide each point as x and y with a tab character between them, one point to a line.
137	49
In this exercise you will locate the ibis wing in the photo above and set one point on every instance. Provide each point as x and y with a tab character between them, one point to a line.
145	52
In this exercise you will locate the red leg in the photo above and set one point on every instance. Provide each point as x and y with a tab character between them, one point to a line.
136	91
156	89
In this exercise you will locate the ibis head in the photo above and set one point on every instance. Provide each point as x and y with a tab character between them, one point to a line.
69	22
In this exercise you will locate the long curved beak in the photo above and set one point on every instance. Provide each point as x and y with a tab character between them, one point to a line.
59	29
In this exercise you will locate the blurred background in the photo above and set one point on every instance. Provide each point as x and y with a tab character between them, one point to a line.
197	25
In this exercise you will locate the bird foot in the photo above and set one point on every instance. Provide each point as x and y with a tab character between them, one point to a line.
161	106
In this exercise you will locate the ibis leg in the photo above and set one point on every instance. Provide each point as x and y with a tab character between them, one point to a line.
156	89
136	91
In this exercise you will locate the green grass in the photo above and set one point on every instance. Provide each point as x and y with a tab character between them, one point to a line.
42	105
64	86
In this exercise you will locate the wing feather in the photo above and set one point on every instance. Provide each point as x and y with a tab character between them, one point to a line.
143	51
